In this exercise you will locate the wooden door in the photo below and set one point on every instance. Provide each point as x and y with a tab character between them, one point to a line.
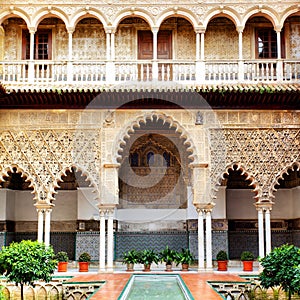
145	51
145	44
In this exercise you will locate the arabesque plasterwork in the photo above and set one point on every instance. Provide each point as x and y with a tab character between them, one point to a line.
263	152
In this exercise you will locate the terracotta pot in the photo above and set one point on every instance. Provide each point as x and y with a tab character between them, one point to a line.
248	265
222	265
169	268
83	266
62	266
184	267
130	267
147	268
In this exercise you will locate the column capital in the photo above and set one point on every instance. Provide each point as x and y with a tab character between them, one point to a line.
200	29
264	206
278	28
32	30
70	30
202	165
154	29
111	165
240	29
110	29
204	207
43	205
106	209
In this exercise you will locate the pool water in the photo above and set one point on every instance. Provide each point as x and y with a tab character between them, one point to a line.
156	286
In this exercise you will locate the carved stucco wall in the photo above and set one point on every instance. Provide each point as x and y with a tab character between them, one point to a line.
89	42
125	43
263	150
221	40
12	33
61	42
185	47
295	41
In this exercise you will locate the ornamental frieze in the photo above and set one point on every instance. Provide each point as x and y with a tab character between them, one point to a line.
156	10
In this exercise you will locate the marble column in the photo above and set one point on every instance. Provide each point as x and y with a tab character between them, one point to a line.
102	241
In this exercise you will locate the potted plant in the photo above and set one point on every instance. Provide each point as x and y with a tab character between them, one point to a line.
147	257
222	259
84	260
62	258
168	256
185	258
130	258
247	258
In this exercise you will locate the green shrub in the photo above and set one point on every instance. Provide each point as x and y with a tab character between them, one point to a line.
281	267
222	255
26	262
84	257
247	256
62	256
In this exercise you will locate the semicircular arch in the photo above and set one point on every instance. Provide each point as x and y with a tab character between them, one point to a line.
268	13
90	13
16	12
46	13
227	13
180	12
287	13
129	13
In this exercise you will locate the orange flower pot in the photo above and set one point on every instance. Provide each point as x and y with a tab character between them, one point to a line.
247	265
83	266
222	265
62	266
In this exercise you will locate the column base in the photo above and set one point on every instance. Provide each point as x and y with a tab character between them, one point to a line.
201	270
211	269
109	270
102	270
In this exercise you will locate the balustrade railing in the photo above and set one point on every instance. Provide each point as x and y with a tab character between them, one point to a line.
41	72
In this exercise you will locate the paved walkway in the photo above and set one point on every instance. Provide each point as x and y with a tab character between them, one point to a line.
196	282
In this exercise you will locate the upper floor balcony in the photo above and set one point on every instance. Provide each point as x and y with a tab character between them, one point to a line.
49	49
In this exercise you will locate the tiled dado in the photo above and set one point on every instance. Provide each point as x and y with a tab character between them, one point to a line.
219	242
2	239
126	241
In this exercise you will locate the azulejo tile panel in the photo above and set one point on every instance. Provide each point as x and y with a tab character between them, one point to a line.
87	242
126	241
2	239
64	241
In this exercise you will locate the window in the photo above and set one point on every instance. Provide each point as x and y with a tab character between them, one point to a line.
134	159
266	43
42	44
150	159
167	159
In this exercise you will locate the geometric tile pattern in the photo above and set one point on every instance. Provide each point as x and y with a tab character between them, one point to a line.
219	242
126	241
240	241
296	238
2	239
64	241
88	242
281	237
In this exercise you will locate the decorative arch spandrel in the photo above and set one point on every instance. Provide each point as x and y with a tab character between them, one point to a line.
45	153
263	153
